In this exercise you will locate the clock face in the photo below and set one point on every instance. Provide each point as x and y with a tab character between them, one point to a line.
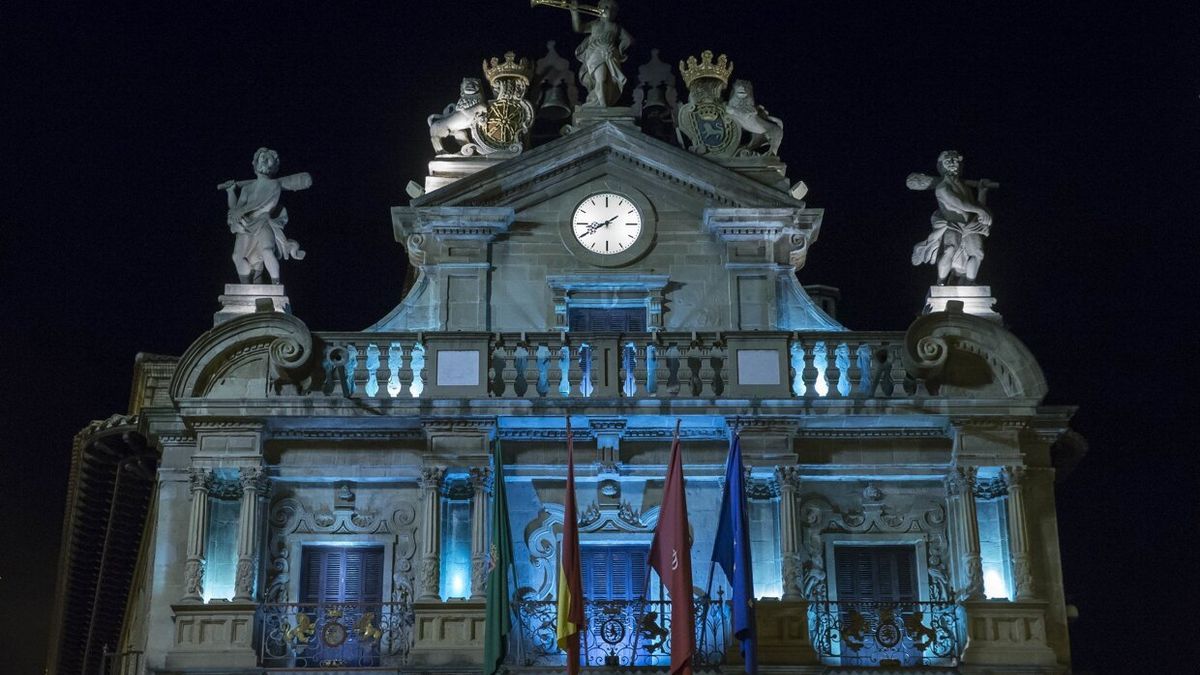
606	223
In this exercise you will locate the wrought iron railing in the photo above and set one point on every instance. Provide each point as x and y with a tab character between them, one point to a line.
885	633
620	633
337	635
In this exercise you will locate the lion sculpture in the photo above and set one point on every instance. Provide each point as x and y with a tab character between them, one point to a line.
763	128
459	118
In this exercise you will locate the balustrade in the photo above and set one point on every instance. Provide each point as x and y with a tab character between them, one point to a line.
537	366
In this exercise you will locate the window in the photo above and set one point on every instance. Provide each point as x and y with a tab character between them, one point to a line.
220	551
613	572
607	319
992	517
342	574
764	546
456	543
876	573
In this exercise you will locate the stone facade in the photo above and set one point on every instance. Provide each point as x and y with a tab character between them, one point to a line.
277	444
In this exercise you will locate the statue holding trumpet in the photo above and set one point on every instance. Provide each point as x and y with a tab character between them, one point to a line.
601	53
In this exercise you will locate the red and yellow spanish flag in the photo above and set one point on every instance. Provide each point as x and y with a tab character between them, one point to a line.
570	581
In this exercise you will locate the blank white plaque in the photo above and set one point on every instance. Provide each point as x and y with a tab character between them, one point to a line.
458	368
758	366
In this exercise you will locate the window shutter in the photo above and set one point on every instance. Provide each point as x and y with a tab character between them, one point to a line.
876	573
340	574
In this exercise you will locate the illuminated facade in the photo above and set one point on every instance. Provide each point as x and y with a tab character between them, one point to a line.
317	500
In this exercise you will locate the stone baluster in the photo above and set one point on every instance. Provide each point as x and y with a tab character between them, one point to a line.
833	374
1018	533
963	478
788	478
193	569
480	480
431	525
854	373
255	487
809	374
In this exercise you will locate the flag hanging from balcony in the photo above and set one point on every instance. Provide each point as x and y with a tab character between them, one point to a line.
500	566
731	551
670	556
570	582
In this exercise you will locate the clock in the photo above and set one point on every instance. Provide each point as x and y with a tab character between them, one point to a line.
607	223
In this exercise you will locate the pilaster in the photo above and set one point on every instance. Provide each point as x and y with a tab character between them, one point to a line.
788	478
255	487
1018	534
480	479
194	568
431	526
962	484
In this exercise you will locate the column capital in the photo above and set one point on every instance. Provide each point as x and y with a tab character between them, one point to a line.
201	479
1014	475
788	477
480	478
254	478
431	477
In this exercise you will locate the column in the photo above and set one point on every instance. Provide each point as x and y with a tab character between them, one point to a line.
480	480
431	525
193	569
255	485
789	489
1018	533
963	483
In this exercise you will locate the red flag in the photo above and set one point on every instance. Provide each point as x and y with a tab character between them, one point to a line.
570	581
671	557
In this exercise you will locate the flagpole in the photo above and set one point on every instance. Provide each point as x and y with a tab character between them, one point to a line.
637	628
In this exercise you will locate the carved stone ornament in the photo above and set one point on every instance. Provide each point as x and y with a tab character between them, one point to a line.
259	243
200	480
543	532
960	224
500	126
193	578
289	518
819	517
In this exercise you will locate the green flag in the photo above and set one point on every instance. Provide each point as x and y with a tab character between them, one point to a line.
500	565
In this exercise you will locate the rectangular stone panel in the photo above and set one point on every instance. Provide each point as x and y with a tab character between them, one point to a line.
458	368
758	366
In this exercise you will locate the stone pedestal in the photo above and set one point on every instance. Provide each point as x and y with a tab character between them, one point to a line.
585	116
242	299
976	300
449	633
446	169
217	636
1001	633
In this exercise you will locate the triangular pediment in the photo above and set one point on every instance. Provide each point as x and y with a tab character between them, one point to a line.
547	169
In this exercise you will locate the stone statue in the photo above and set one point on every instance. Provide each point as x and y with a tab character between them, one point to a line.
764	129
959	225
259	242
458	119
601	54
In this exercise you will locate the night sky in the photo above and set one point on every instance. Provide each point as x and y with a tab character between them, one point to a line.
119	122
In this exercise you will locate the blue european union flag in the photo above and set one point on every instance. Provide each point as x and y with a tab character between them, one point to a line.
731	551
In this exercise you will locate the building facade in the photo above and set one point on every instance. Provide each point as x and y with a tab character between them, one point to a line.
284	498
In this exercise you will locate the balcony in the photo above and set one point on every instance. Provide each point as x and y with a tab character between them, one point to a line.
626	633
366	635
885	634
534	366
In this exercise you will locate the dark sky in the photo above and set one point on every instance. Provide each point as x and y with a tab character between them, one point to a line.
118	123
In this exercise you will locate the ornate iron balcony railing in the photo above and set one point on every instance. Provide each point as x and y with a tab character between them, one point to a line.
885	633
627	633
335	635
